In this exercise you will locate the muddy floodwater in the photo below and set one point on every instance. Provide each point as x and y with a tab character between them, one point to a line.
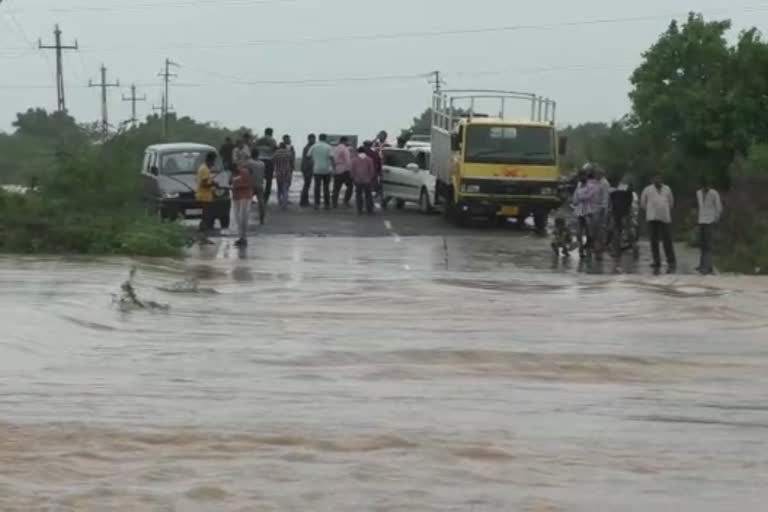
386	374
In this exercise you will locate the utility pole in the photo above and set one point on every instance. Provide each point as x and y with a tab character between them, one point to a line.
62	107
104	85
133	99
167	75
437	81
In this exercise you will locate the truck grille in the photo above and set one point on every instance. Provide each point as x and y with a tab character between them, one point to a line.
507	188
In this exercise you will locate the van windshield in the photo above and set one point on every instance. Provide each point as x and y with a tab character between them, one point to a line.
184	162
505	144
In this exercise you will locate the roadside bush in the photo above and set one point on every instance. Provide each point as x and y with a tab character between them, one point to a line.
88	205
742	237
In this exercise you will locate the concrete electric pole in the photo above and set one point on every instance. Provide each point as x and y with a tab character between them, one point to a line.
62	106
133	99
437	81
167	75
104	85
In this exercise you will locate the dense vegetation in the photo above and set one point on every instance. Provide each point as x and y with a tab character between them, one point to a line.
87	193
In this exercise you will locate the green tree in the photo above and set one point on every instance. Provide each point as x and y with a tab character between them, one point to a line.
701	101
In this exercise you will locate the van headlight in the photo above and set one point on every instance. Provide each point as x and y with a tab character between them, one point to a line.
171	195
470	189
547	191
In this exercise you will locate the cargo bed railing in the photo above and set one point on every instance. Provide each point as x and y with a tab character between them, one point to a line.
446	114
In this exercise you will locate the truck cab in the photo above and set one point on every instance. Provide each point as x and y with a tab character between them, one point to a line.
495	167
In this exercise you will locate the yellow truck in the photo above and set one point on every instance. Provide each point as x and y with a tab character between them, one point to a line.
495	167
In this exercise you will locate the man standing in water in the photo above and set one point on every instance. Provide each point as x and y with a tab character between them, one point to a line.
378	168
242	195
266	147
657	201
583	200
204	196
710	210
283	161
342	158
363	173
256	168
322	167
306	170
600	214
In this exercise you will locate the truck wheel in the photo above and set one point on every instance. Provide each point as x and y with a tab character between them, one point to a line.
540	219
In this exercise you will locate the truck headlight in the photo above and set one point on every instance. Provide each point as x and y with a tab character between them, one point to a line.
471	189
547	191
171	195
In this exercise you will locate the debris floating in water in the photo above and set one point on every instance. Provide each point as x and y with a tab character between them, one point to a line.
190	285
129	299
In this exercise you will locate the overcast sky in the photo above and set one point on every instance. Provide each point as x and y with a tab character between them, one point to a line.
224	46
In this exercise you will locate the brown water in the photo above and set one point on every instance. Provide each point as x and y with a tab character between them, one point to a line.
380	374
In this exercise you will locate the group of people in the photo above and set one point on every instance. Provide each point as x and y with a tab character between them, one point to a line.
256	163
608	216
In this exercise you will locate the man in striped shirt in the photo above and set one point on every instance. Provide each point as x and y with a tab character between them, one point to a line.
283	163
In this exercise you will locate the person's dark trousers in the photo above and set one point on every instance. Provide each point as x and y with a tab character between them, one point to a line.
208	218
269	174
324	181
705	245
339	181
364	198
618	234
306	187
660	232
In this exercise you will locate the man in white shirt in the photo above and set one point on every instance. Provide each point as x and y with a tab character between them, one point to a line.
657	201
710	210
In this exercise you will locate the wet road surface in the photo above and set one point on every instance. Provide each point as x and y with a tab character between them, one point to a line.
447	371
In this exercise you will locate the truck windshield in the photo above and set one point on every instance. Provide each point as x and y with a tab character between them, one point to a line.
507	144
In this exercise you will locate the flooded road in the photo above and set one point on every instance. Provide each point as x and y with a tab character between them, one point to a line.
349	374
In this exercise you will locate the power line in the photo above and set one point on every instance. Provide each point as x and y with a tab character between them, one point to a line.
61	103
235	80
144	6
433	34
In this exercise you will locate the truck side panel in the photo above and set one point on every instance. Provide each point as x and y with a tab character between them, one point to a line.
442	155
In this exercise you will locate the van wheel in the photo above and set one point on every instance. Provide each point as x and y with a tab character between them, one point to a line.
399	204
169	214
424	205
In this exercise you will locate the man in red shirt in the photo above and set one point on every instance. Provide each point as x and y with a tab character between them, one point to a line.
375	155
